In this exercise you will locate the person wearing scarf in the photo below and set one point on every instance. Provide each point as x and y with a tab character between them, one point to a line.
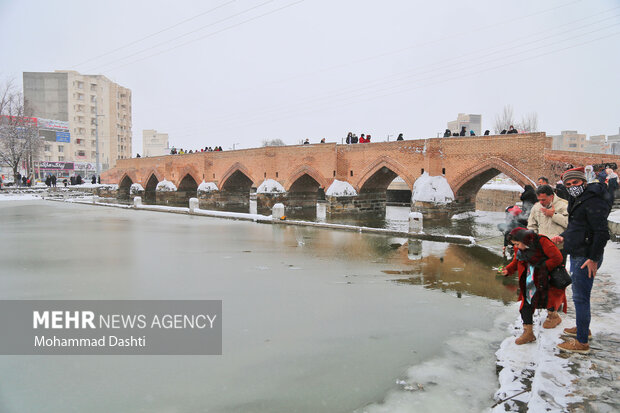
534	258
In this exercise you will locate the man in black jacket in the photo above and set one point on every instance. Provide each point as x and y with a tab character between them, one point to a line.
584	239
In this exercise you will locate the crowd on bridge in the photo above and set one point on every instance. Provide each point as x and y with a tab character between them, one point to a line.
551	225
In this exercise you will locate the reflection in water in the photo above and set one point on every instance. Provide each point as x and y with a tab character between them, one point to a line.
455	268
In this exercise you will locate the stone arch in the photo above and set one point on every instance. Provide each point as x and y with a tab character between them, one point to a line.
192	172
188	184
149	173
304	192
150	187
124	186
308	171
378	175
240	176
468	183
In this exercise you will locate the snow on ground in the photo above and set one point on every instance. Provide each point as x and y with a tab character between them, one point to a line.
90	185
464	215
614	217
270	186
513	187
207	187
433	189
18	197
340	188
561	382
166	186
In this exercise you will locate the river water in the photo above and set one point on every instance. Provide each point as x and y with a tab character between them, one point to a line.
313	320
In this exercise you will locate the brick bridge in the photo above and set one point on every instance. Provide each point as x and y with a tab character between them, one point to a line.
306	171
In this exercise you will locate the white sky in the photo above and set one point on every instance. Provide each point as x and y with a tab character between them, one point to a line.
256	69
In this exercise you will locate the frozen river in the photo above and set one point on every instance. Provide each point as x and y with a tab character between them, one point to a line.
313	320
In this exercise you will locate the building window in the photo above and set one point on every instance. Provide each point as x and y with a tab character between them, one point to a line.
93	87
48	148
48	158
61	159
93	98
61	148
81	153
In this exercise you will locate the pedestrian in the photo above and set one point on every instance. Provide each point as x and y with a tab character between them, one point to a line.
349	136
535	256
584	239
543	181
528	197
48	181
24	181
487	132
549	217
93	180
400	137
64	181
512	130
447	133
463	131
54	181
612	181
18	179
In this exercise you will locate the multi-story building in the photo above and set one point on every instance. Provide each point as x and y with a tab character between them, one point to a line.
613	143
92	105
154	144
471	122
569	140
596	144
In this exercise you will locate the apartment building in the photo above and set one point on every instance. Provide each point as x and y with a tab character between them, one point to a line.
92	105
569	140
154	144
471	122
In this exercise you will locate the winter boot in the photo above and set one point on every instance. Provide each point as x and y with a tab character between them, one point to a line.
572	332
553	320
527	336
574	346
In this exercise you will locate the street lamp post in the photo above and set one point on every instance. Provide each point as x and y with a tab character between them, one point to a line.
97	138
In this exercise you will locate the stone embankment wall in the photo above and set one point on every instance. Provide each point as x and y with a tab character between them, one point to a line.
496	200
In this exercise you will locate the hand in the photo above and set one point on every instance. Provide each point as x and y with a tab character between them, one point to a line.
504	272
549	212
558	239
592	267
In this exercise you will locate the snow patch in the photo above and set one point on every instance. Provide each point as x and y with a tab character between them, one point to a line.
614	217
501	186
270	186
434	189
464	215
340	188
18	197
135	188
207	187
165	186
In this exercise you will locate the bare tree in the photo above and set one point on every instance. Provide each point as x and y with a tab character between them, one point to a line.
529	123
504	120
273	142
19	136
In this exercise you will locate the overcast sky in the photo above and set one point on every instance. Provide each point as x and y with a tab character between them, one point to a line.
226	72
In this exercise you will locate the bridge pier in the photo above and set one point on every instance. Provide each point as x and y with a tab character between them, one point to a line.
434	211
224	199
266	201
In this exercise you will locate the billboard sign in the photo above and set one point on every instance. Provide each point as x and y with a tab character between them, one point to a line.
84	166
57	125
63	137
55	165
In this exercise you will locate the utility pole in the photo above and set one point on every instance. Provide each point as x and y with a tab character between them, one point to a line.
97	137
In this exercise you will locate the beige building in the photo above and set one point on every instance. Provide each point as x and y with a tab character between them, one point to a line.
569	140
154	144
471	122
596	144
84	101
613	142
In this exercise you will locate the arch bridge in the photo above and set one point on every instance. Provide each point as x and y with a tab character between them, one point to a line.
305	172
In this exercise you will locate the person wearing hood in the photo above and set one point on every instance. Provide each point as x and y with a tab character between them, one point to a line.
584	239
549	217
535	256
463	131
612	181
447	133
528	197
511	130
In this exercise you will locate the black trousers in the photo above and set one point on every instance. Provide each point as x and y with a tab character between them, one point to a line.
527	312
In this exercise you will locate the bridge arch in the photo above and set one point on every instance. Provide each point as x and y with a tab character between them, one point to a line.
124	186
378	175
150	188
191	171
308	171
237	176
468	183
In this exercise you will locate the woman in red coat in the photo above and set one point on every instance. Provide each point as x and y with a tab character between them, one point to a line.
534	258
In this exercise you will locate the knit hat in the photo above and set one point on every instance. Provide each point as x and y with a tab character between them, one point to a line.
575	173
523	235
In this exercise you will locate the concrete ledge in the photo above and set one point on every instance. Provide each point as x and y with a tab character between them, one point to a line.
455	239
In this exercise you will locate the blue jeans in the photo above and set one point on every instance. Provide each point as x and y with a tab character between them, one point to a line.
582	286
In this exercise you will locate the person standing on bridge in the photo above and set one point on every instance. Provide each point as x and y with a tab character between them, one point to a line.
549	217
584	239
